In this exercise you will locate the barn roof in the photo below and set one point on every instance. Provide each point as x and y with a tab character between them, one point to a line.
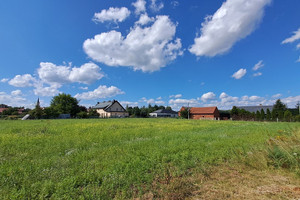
204	110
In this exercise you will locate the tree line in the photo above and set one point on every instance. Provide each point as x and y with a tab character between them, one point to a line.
144	111
280	112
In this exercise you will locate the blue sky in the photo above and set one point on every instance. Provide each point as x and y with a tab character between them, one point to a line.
205	53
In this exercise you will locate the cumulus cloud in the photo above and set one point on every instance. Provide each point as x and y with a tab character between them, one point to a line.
258	65
257	74
156	6
276	96
208	96
25	80
46	91
16	93
87	73
298	59
147	49
145	19
140	6
291	101
101	92
129	103
239	74
112	14
152	101
83	88
293	38
233	21
176	104
13	99
53	74
4	80
176	96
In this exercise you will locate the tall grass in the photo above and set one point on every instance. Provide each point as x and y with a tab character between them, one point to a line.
125	158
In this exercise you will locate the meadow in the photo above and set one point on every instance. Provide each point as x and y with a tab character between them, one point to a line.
137	158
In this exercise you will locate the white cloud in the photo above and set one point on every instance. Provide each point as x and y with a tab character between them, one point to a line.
101	92
156	6
144	19
208	96
83	88
147	49
258	65
293	38
4	80
129	103
291	101
87	73
233	21
16	93
298	46
53	74
140	6
174	4
176	104
176	96
152	101
239	74
48	91
257	74
223	95
25	80
112	14
13	100
298	59
276	96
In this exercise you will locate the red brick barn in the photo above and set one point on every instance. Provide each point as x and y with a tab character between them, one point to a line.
211	113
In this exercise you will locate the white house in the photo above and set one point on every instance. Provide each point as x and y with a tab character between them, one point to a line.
110	109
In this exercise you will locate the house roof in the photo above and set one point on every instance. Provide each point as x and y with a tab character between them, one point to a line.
256	108
202	110
106	104
103	105
165	111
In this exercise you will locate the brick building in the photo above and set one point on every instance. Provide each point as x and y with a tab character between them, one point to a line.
211	113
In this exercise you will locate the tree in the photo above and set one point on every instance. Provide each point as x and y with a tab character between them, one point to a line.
287	115
93	113
65	104
262	115
82	115
37	112
274	115
168	108
257	116
268	116
234	112
184	113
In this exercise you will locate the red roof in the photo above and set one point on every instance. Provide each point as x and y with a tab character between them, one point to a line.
2	109
202	110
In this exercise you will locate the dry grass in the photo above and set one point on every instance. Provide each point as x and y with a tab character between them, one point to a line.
247	183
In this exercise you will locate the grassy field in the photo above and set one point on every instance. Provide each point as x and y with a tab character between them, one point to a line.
137	158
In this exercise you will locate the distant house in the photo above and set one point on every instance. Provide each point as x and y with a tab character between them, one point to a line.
3	107
108	109
163	113
211	113
256	108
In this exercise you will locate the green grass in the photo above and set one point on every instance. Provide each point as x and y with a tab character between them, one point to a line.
125	158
